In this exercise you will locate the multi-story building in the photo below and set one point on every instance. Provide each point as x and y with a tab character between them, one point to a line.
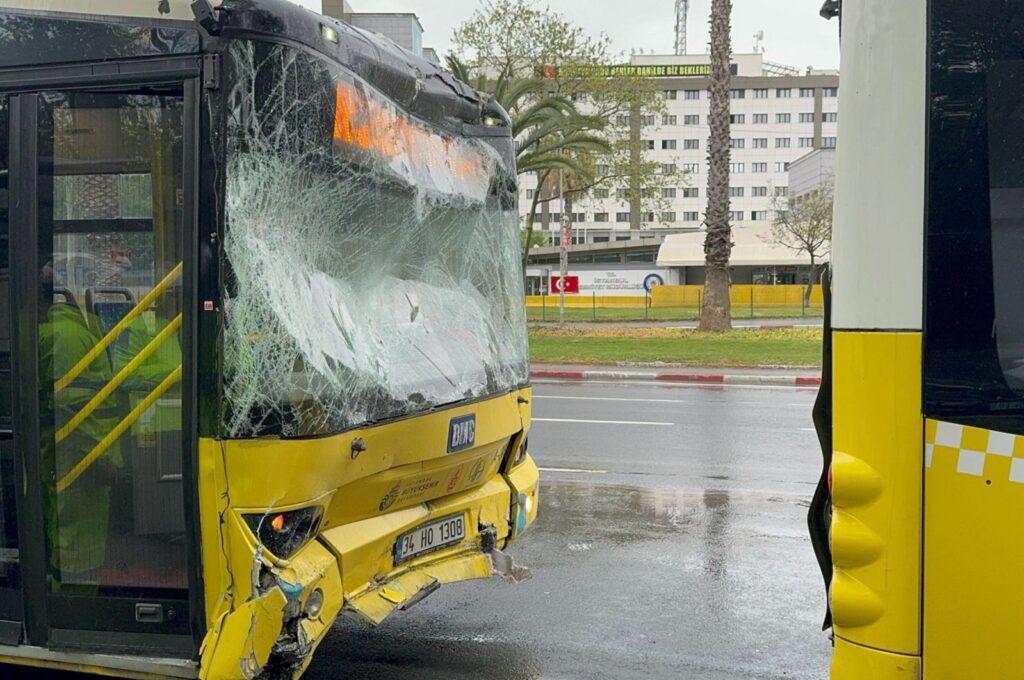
778	115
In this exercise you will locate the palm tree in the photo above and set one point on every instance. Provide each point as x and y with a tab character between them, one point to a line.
551	134
715	313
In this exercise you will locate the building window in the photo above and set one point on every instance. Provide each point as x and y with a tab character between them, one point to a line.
556	218
782	167
736	216
806	117
691	192
759	167
647	120
579	217
783	93
806	92
622	120
830	117
760	119
669	120
621	194
759	192
782	142
668	168
600	193
830	92
622	217
668	217
761	93
529	194
735	192
668	144
737	119
691	143
806	142
828	142
737	94
783	118
691	94
600	217
647	193
669	94
691	120
602	169
691	216
692	168
668	192
780	192
736	168
760	142
647	144
647	217
737	143
759	215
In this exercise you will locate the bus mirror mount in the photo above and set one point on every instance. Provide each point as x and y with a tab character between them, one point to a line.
203	11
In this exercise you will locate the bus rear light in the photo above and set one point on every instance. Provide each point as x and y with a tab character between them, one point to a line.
284	533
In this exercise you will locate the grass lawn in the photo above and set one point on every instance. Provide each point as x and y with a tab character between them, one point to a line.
738	348
550	313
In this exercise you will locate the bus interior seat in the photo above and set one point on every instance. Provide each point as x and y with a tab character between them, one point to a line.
108	312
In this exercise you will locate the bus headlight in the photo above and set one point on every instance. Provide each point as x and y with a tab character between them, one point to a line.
284	533
314	603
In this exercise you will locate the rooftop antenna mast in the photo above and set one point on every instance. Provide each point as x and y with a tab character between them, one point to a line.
682	9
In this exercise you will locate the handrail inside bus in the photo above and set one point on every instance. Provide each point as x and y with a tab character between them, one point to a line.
114	434
118	328
121	376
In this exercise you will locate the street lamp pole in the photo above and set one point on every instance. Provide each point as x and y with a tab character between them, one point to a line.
563	255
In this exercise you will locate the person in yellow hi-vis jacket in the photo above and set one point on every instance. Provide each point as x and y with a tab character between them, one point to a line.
78	515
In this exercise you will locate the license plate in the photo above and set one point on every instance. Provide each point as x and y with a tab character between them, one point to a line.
430	537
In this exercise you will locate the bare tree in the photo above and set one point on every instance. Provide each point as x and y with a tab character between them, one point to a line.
804	224
716	313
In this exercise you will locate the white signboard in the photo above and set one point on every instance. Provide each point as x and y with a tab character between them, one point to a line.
619	282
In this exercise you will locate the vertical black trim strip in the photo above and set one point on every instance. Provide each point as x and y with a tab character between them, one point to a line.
25	359
190	432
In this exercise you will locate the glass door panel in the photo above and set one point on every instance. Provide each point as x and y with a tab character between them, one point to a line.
111	216
10	566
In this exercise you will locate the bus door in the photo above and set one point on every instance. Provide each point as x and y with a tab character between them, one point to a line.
94	453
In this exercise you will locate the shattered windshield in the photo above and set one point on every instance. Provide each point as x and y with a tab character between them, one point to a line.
373	260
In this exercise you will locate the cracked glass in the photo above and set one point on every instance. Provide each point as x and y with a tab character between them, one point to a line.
372	258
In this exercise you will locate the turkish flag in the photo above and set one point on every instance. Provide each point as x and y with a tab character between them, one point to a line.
572	284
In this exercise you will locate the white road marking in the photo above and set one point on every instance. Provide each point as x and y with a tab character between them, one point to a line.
808	429
601	422
577	471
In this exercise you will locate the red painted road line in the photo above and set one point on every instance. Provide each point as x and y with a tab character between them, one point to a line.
690	377
561	375
808	380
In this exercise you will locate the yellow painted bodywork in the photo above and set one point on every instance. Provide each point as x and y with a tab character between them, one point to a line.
401	478
855	662
876	492
974	553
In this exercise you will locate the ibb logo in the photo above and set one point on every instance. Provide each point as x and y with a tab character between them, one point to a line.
461	433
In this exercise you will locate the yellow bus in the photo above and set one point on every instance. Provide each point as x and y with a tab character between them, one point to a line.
921	543
263	354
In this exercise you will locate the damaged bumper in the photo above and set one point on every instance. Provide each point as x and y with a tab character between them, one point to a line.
375	587
353	570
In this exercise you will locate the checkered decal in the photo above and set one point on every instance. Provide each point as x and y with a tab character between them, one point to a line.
975	449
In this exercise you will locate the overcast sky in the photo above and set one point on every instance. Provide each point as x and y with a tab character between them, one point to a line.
794	34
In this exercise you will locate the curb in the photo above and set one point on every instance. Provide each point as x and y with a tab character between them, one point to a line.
691	378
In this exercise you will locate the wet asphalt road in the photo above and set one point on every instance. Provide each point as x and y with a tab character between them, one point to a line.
671	550
671	544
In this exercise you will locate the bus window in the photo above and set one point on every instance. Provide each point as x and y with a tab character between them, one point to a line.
111	218
373	258
1006	198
